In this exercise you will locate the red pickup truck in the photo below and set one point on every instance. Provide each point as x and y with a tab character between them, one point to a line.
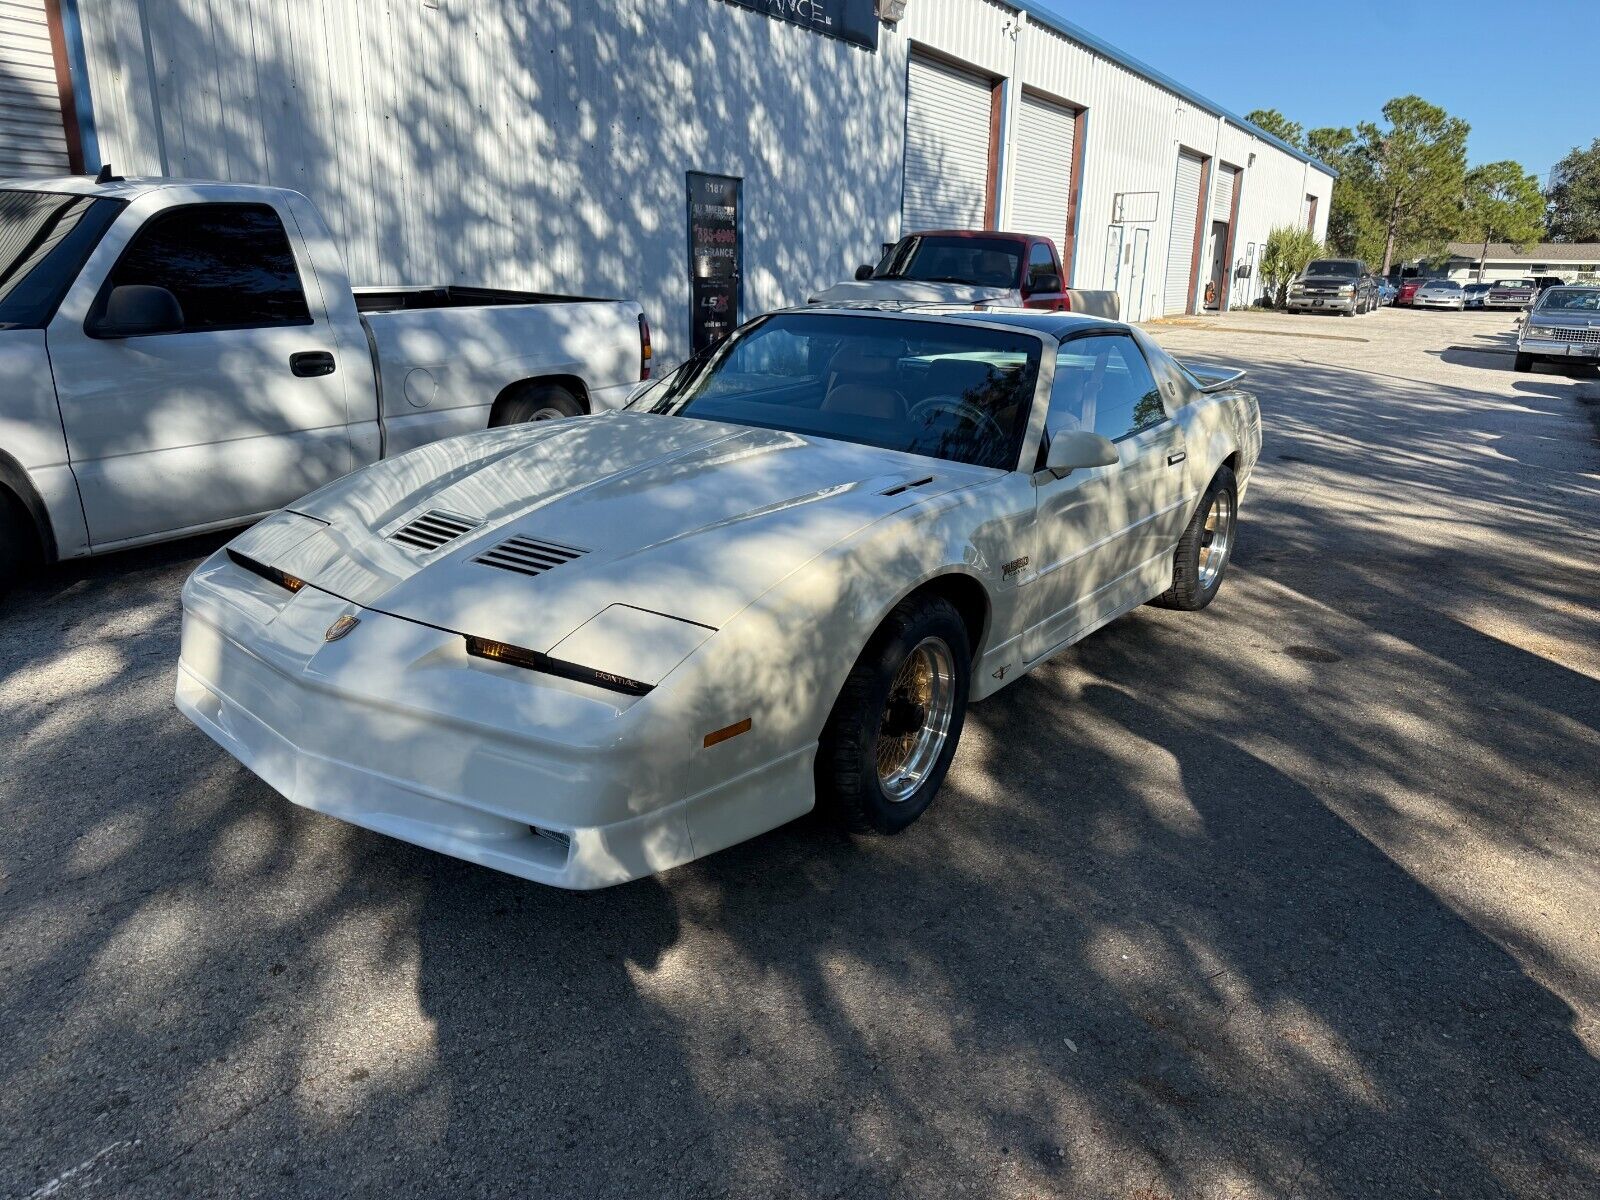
971	266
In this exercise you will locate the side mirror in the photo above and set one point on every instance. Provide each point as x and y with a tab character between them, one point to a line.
135	309
1079	448
1045	283
863	272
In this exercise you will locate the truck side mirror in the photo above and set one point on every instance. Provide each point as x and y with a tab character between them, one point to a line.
135	309
1045	282
863	272
1076	448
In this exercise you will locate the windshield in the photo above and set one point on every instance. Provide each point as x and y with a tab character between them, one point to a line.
935	388
44	238
1514	283
1442	285
980	261
1335	268
1571	300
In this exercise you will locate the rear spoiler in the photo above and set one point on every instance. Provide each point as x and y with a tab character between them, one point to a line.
1211	379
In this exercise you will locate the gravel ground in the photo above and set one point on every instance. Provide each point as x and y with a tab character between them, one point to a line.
1293	897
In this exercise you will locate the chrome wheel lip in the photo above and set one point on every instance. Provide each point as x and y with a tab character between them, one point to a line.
904	763
1218	524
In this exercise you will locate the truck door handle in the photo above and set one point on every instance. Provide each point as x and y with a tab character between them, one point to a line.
309	364
1174	459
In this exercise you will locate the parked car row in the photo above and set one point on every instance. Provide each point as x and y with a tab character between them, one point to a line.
1510	294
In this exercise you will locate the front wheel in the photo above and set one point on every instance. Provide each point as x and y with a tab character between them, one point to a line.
1205	547
893	730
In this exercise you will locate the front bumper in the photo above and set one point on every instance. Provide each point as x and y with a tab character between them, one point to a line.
1321	303
1544	348
393	728
1430	302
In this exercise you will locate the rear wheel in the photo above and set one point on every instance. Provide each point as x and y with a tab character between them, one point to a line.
537	402
894	728
1523	363
1205	547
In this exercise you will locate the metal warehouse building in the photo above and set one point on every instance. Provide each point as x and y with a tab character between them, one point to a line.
566	145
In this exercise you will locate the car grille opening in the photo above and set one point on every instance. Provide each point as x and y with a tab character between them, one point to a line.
1559	333
432	530
528	556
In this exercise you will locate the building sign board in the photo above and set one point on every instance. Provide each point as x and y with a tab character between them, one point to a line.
853	21
715	254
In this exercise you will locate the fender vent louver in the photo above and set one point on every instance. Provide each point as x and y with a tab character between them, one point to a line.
432	530
527	556
907	486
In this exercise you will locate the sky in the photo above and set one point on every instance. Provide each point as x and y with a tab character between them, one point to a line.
1496	64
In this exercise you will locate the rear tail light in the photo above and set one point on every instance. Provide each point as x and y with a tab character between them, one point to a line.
644	348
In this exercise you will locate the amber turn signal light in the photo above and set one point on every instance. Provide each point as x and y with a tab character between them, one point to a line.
727	731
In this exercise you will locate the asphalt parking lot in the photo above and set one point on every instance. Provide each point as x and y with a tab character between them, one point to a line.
1293	897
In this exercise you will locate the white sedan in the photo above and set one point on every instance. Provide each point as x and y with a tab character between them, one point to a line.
588	650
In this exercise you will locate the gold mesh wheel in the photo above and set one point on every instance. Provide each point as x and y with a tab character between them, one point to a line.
916	719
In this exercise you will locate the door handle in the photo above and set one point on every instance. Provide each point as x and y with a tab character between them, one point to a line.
1174	459
309	364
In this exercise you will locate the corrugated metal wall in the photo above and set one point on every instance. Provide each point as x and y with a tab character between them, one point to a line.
1134	127
32	138
519	143
543	143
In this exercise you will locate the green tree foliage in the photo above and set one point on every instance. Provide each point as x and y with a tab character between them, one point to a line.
1278	125
1287	251
1575	196
1503	203
1401	185
1352	227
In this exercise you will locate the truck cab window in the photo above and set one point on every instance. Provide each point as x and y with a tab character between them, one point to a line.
1040	262
229	265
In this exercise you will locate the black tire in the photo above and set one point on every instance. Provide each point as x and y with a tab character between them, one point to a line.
1191	590
849	789
1523	363
537	402
19	546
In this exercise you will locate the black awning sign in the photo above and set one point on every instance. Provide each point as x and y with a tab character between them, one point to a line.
853	21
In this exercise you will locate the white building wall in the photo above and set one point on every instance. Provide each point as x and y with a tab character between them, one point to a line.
543	143
521	143
1134	129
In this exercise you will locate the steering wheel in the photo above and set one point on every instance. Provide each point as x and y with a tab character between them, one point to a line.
958	407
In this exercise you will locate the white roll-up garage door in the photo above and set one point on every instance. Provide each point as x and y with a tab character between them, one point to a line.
947	148
1180	236
1041	175
32	140
1222	194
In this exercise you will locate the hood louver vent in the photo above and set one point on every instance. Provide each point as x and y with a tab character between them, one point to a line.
432	530
527	556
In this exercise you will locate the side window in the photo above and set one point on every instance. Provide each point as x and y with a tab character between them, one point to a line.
1103	384
1041	261
229	265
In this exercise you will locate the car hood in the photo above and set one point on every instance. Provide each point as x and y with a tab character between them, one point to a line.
913	291
672	515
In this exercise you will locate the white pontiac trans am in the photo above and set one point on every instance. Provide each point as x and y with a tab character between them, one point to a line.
583	651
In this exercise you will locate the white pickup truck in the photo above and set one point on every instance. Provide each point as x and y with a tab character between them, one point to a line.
182	356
